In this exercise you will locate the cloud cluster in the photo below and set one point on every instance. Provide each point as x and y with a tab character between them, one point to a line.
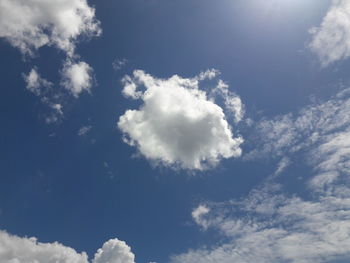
31	24
15	249
177	124
276	229
271	226
331	41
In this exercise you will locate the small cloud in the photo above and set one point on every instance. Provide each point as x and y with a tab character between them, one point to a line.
35	83
84	130
118	64
208	74
77	77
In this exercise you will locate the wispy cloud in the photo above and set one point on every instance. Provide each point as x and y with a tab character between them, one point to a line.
84	130
45	91
271	225
118	64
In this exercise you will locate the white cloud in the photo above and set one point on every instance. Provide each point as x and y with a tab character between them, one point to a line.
84	130
269	226
77	77
331	41
114	251
31	24
14	249
35	83
177	125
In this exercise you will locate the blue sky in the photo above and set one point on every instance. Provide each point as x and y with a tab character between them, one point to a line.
187	131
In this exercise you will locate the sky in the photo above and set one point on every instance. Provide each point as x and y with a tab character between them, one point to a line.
174	131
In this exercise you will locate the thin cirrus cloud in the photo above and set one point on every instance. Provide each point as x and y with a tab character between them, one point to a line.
331	40
178	125
14	249
272	226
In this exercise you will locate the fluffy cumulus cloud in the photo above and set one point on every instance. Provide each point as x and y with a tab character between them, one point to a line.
31	24
114	251
178	124
15	249
77	77
273	226
331	41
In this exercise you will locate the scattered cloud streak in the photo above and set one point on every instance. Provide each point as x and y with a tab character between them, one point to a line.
271	225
